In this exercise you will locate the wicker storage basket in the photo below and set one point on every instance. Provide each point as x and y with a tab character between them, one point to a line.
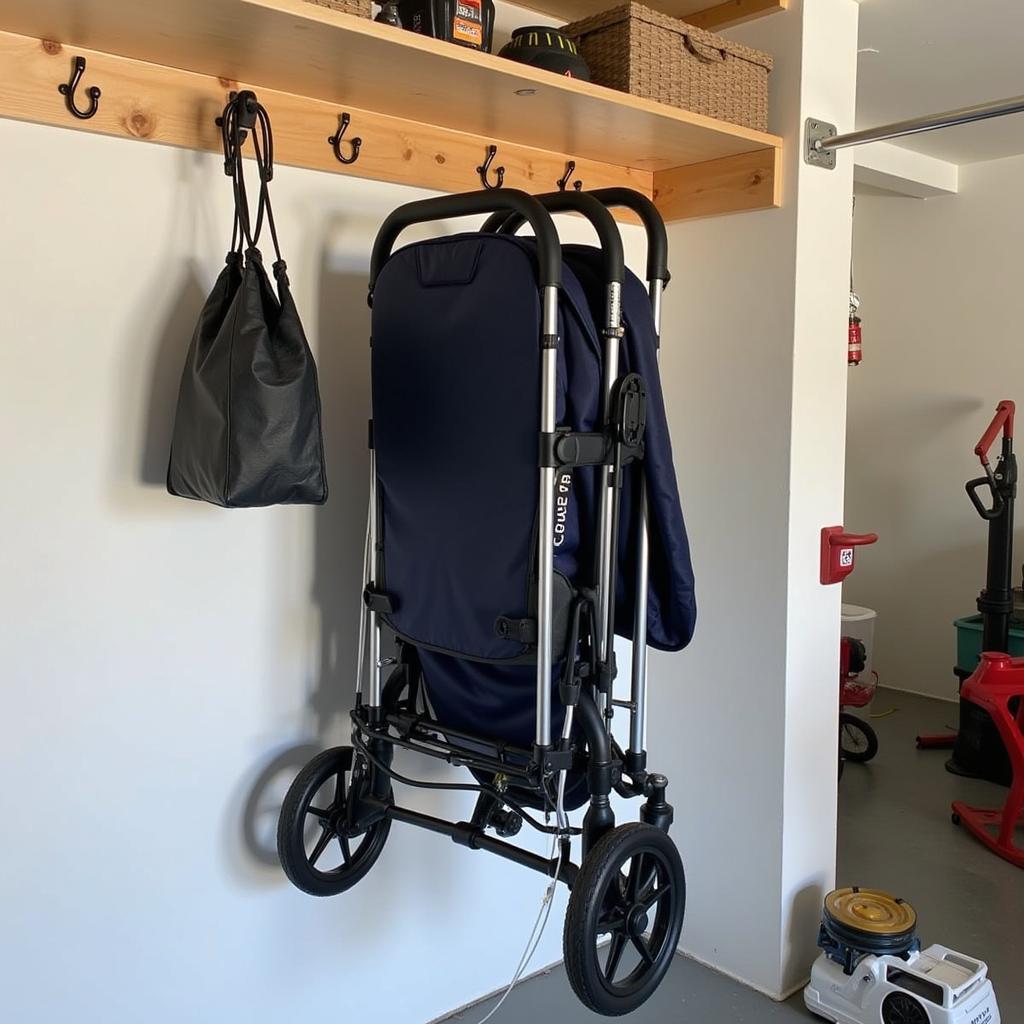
360	8
646	53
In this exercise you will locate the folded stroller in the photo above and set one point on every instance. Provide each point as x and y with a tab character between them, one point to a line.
523	511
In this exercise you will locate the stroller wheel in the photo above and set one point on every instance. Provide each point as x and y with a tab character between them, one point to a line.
857	738
632	889
319	852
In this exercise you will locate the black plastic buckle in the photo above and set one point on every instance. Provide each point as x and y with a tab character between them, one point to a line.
553	760
377	601
522	630
631	413
567	449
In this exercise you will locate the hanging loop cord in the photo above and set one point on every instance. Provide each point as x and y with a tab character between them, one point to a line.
265	165
233	137
229	148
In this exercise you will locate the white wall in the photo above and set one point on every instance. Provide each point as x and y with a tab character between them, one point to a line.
940	283
757	313
159	655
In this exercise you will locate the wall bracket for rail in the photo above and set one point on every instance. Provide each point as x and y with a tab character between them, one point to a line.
815	132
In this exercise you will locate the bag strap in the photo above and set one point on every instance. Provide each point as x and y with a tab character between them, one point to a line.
243	117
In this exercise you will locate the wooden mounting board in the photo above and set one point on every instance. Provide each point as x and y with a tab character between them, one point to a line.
696	12
158	104
303	48
426	110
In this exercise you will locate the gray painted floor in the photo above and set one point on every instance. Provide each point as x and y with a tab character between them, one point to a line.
895	834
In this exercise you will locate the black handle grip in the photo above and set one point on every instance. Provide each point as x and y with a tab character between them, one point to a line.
468	204
629	199
654	225
574	202
997	501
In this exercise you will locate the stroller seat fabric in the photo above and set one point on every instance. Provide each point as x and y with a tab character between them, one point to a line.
456	365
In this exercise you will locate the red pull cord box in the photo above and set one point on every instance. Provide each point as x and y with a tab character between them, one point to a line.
837	552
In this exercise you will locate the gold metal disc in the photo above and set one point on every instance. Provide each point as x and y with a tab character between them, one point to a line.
870	910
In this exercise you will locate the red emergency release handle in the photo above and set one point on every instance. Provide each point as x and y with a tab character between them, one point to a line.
837	552
851	540
1003	420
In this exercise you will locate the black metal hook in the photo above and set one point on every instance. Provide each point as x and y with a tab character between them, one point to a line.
570	166
485	167
335	141
244	108
67	90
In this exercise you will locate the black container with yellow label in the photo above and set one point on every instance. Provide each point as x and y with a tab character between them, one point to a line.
466	22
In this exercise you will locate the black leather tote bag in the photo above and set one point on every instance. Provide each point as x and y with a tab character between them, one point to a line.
247	428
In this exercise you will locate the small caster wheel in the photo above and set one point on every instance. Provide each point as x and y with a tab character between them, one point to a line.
858	740
955	818
320	853
631	887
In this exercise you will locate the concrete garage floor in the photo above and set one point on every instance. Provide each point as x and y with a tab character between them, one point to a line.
895	833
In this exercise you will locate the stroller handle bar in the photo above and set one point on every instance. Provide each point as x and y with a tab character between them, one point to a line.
467	204
575	202
629	199
657	236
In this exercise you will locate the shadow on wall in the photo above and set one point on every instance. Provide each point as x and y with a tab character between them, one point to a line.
343	364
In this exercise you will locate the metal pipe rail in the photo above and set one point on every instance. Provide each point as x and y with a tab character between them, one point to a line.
823	141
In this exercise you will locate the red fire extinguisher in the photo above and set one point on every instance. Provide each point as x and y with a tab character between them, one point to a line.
853	349
853	340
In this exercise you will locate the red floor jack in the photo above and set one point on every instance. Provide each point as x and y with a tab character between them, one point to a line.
997	687
978	748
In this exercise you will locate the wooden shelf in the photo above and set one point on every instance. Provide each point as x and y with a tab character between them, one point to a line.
321	61
696	12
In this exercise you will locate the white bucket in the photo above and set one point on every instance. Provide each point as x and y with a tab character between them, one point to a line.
860	623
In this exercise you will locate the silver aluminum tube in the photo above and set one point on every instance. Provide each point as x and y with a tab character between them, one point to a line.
606	559
374	629
947	119
657	289
638	695
361	656
546	528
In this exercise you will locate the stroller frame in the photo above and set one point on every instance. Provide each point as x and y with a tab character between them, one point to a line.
377	727
387	714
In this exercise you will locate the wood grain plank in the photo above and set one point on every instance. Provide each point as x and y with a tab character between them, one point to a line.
750	181
732	12
309	50
696	12
165	105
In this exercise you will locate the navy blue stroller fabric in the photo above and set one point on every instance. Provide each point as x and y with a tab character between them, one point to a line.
456	411
671	601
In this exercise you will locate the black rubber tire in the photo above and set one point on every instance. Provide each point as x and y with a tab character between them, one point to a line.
860	754
292	825
601	889
902	1008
